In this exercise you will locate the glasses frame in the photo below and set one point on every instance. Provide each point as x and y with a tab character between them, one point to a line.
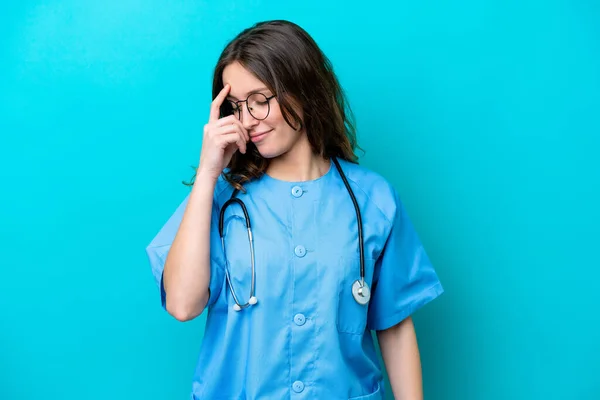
239	110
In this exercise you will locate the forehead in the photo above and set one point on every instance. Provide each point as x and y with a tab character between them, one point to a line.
241	80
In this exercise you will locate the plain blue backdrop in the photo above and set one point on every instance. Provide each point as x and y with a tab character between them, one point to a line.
483	114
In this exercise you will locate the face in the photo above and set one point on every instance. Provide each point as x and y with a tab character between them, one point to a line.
272	136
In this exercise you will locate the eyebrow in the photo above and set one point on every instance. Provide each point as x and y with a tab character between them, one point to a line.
249	93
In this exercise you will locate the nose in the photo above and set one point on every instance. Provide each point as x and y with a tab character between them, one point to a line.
248	121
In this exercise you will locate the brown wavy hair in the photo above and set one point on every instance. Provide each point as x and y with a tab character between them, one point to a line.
292	66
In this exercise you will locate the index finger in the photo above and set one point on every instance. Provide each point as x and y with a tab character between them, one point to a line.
216	104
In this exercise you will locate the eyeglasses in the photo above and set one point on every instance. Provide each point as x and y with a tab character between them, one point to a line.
257	104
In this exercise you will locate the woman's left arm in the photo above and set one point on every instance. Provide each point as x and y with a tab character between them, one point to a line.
400	353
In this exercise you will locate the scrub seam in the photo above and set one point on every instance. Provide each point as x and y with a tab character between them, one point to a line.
317	206
425	297
370	200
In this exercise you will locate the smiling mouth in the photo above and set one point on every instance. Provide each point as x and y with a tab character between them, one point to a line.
259	137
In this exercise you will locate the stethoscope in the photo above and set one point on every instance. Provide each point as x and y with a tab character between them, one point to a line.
360	288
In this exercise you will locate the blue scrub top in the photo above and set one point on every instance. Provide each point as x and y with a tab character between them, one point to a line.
306	338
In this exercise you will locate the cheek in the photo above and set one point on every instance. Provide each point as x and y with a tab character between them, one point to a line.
276	120
275	117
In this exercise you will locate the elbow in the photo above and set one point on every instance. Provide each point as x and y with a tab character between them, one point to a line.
184	301
184	311
181	314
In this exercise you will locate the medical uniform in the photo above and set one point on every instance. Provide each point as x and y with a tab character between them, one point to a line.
306	338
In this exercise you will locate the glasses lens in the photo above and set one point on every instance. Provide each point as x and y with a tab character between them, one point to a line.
258	105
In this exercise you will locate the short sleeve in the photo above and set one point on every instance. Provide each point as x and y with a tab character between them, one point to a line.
404	278
160	245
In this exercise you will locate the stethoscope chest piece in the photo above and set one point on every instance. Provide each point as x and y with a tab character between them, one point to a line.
361	292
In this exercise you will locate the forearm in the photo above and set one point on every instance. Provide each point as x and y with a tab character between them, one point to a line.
400	353
187	267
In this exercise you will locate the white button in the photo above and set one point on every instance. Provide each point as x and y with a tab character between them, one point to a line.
298	386
299	319
300	251
297	191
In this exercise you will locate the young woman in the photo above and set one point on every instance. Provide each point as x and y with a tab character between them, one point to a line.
296	252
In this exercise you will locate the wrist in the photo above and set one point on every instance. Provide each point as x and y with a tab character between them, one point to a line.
204	177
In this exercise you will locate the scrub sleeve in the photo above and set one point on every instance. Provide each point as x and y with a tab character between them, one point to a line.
158	249
404	279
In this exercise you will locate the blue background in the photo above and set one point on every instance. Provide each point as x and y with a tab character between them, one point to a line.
483	114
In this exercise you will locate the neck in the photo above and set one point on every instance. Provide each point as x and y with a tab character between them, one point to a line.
299	164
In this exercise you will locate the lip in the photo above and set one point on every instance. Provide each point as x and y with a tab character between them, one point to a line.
259	136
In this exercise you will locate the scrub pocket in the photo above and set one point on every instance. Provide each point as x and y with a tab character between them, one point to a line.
351	316
376	395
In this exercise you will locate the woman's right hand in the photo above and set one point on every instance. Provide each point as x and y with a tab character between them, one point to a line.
222	138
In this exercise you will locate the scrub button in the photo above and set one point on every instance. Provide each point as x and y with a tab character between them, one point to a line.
299	319
297	191
300	251
298	386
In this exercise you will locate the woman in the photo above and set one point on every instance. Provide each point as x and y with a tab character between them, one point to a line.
289	314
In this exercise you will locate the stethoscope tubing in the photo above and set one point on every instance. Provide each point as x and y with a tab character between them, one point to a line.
361	246
234	199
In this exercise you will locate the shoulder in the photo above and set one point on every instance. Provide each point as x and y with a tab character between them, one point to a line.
377	190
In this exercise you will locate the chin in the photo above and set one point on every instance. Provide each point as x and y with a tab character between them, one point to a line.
269	152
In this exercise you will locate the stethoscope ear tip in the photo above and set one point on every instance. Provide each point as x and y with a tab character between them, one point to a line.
253	300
